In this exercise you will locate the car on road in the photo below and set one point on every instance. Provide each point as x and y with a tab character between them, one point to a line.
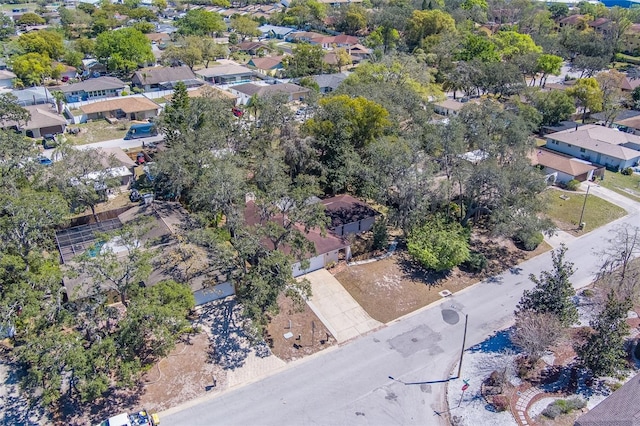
138	131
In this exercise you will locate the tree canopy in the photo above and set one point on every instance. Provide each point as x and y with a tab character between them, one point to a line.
123	49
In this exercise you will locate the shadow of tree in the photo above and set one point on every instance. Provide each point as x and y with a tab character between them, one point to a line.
16	409
231	341
411	270
497	342
120	400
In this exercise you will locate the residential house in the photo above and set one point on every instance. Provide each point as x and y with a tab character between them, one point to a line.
33	96
128	108
359	52
68	72
601	25
166	221
246	91
561	168
331	59
158	38
6	79
94	88
226	74
337	3
621	408
597	144
44	120
118	163
329	248
349	215
448	107
302	36
253	48
346	41
630	40
326	42
629	125
576	20
92	68
269	65
164	78
563	125
273	31
329	82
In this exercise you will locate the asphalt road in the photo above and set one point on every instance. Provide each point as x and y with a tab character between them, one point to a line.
351	385
113	143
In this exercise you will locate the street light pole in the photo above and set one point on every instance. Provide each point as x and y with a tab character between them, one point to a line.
583	207
464	339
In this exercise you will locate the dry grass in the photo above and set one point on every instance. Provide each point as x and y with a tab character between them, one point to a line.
98	131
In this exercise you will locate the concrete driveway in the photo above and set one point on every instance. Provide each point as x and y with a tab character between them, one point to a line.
335	307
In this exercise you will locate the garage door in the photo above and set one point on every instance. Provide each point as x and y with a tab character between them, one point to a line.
315	263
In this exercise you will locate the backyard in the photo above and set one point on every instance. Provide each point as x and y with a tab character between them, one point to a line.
565	207
629	186
98	131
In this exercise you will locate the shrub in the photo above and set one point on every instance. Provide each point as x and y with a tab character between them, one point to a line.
439	245
563	406
500	403
380	234
529	240
476	262
573	185
587	293
552	411
124	93
627	172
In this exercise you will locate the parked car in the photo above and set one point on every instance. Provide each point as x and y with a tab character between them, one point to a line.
49	141
138	131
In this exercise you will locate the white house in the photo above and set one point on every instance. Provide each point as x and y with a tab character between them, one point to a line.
6	78
597	144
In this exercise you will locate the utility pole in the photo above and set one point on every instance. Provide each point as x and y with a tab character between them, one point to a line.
583	207
464	339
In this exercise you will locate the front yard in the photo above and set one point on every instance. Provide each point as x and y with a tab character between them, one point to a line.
629	186
564	208
395	286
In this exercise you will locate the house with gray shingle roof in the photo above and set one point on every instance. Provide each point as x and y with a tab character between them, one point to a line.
246	91
93	88
164	78
329	82
621	408
598	144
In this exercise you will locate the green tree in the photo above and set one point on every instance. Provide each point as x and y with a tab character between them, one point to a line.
438	245
512	43
352	19
307	59
383	37
613	99
123	49
84	45
200	22
558	10
478	47
553	291
160	5
555	106
31	68
44	42
11	111
7	27
603	353
425	23
245	26
30	18
587	95
548	65
303	12
174	118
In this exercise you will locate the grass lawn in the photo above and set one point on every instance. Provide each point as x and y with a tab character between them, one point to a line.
98	131
629	186
10	7
565	212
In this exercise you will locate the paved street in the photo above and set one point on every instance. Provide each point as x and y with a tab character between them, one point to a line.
351	385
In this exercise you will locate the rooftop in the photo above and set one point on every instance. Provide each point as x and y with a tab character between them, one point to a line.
344	209
560	162
126	104
621	408
156	75
220	70
93	84
600	139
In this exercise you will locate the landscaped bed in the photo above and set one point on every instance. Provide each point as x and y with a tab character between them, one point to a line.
565	207
395	286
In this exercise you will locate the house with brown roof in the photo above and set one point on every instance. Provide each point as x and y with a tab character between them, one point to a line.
349	215
448	107
621	408
253	48
268	65
561	168
573	21
158	38
164	78
329	248
630	40
302	36
128	108
44	120
597	144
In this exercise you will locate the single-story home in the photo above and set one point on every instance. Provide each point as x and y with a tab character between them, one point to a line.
273	31
253	48
629	125
158	38
563	125
33	96
164	78
621	408
67	70
128	107
92	68
359	52
349	215
167	220
6	78
302	36
562	168
329	82
226	74
268	65
598	144
328	248
337	3
118	164
94	88
448	107
44	120
244	92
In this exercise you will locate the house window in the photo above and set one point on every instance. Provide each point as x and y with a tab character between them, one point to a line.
582	150
569	145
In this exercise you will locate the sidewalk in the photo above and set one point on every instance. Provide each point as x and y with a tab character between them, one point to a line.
613	197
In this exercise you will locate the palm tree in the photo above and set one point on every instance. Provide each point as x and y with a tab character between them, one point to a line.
60	100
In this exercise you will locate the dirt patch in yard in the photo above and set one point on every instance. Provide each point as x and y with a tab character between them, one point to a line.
395	286
314	336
